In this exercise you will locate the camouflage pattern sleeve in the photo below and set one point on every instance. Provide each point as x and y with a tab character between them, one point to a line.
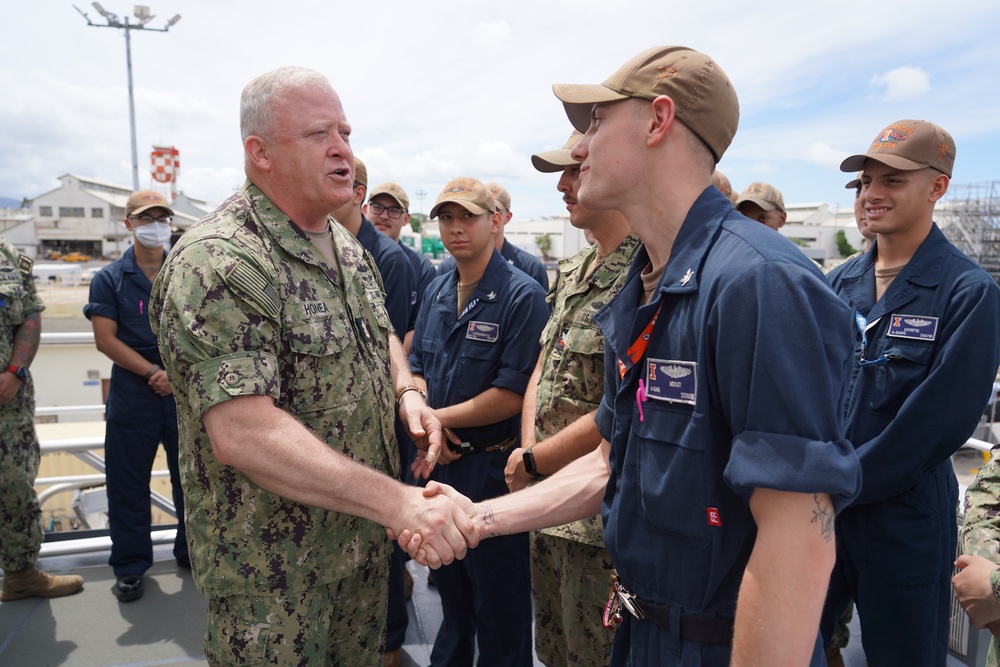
217	315
981	529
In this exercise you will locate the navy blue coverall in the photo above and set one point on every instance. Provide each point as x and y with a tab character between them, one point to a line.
486	596
515	257
138	420
743	377
933	346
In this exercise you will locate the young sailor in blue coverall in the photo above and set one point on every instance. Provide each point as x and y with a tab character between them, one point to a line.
475	346
140	405
927	346
727	360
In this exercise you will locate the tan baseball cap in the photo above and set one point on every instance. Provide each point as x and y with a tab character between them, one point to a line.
468	192
909	145
394	190
854	182
722	183
360	172
559	159
704	98
143	200
764	195
500	196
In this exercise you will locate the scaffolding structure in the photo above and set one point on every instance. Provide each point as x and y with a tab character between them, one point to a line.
970	218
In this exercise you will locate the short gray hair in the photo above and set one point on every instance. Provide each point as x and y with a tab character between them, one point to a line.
257	100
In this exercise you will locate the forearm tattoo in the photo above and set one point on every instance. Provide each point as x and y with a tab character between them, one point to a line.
26	339
823	515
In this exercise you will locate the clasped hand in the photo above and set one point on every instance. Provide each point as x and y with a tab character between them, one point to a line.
439	527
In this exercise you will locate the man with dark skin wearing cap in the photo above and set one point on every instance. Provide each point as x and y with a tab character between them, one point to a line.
763	202
927	346
720	473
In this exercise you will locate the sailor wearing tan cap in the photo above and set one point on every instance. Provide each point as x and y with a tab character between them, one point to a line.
475	345
569	564
927	345
515	256
763	202
720	470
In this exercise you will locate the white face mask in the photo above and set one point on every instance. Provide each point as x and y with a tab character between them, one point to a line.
153	234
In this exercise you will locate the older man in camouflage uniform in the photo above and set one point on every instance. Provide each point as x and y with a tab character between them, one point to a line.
569	566
20	529
272	325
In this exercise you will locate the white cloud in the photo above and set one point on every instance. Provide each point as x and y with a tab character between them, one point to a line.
903	83
824	155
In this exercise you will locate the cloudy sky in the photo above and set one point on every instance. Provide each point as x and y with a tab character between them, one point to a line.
443	88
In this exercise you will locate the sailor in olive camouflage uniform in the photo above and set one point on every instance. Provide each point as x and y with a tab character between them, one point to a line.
571	385
246	305
20	527
981	530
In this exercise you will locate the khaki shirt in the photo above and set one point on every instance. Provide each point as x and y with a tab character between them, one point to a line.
571	383
246	306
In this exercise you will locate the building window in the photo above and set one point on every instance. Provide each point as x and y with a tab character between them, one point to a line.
70	211
45	211
97	212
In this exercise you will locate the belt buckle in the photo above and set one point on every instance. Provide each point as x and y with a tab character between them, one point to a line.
462	447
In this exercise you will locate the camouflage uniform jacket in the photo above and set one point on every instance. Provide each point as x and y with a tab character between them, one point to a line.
571	383
18	299
981	530
245	305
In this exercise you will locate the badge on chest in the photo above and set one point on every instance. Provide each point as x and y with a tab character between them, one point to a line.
914	327
671	381
487	332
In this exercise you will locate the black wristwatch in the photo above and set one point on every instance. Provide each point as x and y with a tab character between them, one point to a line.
529	463
21	372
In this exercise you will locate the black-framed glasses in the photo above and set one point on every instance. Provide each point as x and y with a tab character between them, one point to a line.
394	212
146	219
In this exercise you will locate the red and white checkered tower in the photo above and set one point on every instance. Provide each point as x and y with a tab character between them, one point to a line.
166	169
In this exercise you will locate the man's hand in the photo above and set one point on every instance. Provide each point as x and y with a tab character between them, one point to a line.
515	474
425	430
160	384
436	525
9	384
973	590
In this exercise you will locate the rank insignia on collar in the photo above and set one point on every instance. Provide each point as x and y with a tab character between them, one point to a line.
687	277
491	296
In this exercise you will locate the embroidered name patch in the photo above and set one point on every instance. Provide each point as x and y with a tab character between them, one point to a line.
914	327
672	381
487	332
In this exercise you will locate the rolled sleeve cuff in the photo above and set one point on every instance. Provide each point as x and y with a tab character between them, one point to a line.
512	380
101	310
605	419
222	378
795	464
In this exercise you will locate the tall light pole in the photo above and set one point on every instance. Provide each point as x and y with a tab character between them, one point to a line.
144	17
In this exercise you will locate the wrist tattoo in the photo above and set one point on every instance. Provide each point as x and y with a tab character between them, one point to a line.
489	519
824	516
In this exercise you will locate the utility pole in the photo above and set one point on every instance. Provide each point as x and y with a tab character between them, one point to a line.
144	17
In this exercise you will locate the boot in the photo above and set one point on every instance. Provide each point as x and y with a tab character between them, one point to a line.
33	582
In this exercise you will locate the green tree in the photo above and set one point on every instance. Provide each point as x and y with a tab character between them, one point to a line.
544	244
417	221
843	247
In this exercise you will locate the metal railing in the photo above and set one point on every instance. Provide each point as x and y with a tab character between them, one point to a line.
87	539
